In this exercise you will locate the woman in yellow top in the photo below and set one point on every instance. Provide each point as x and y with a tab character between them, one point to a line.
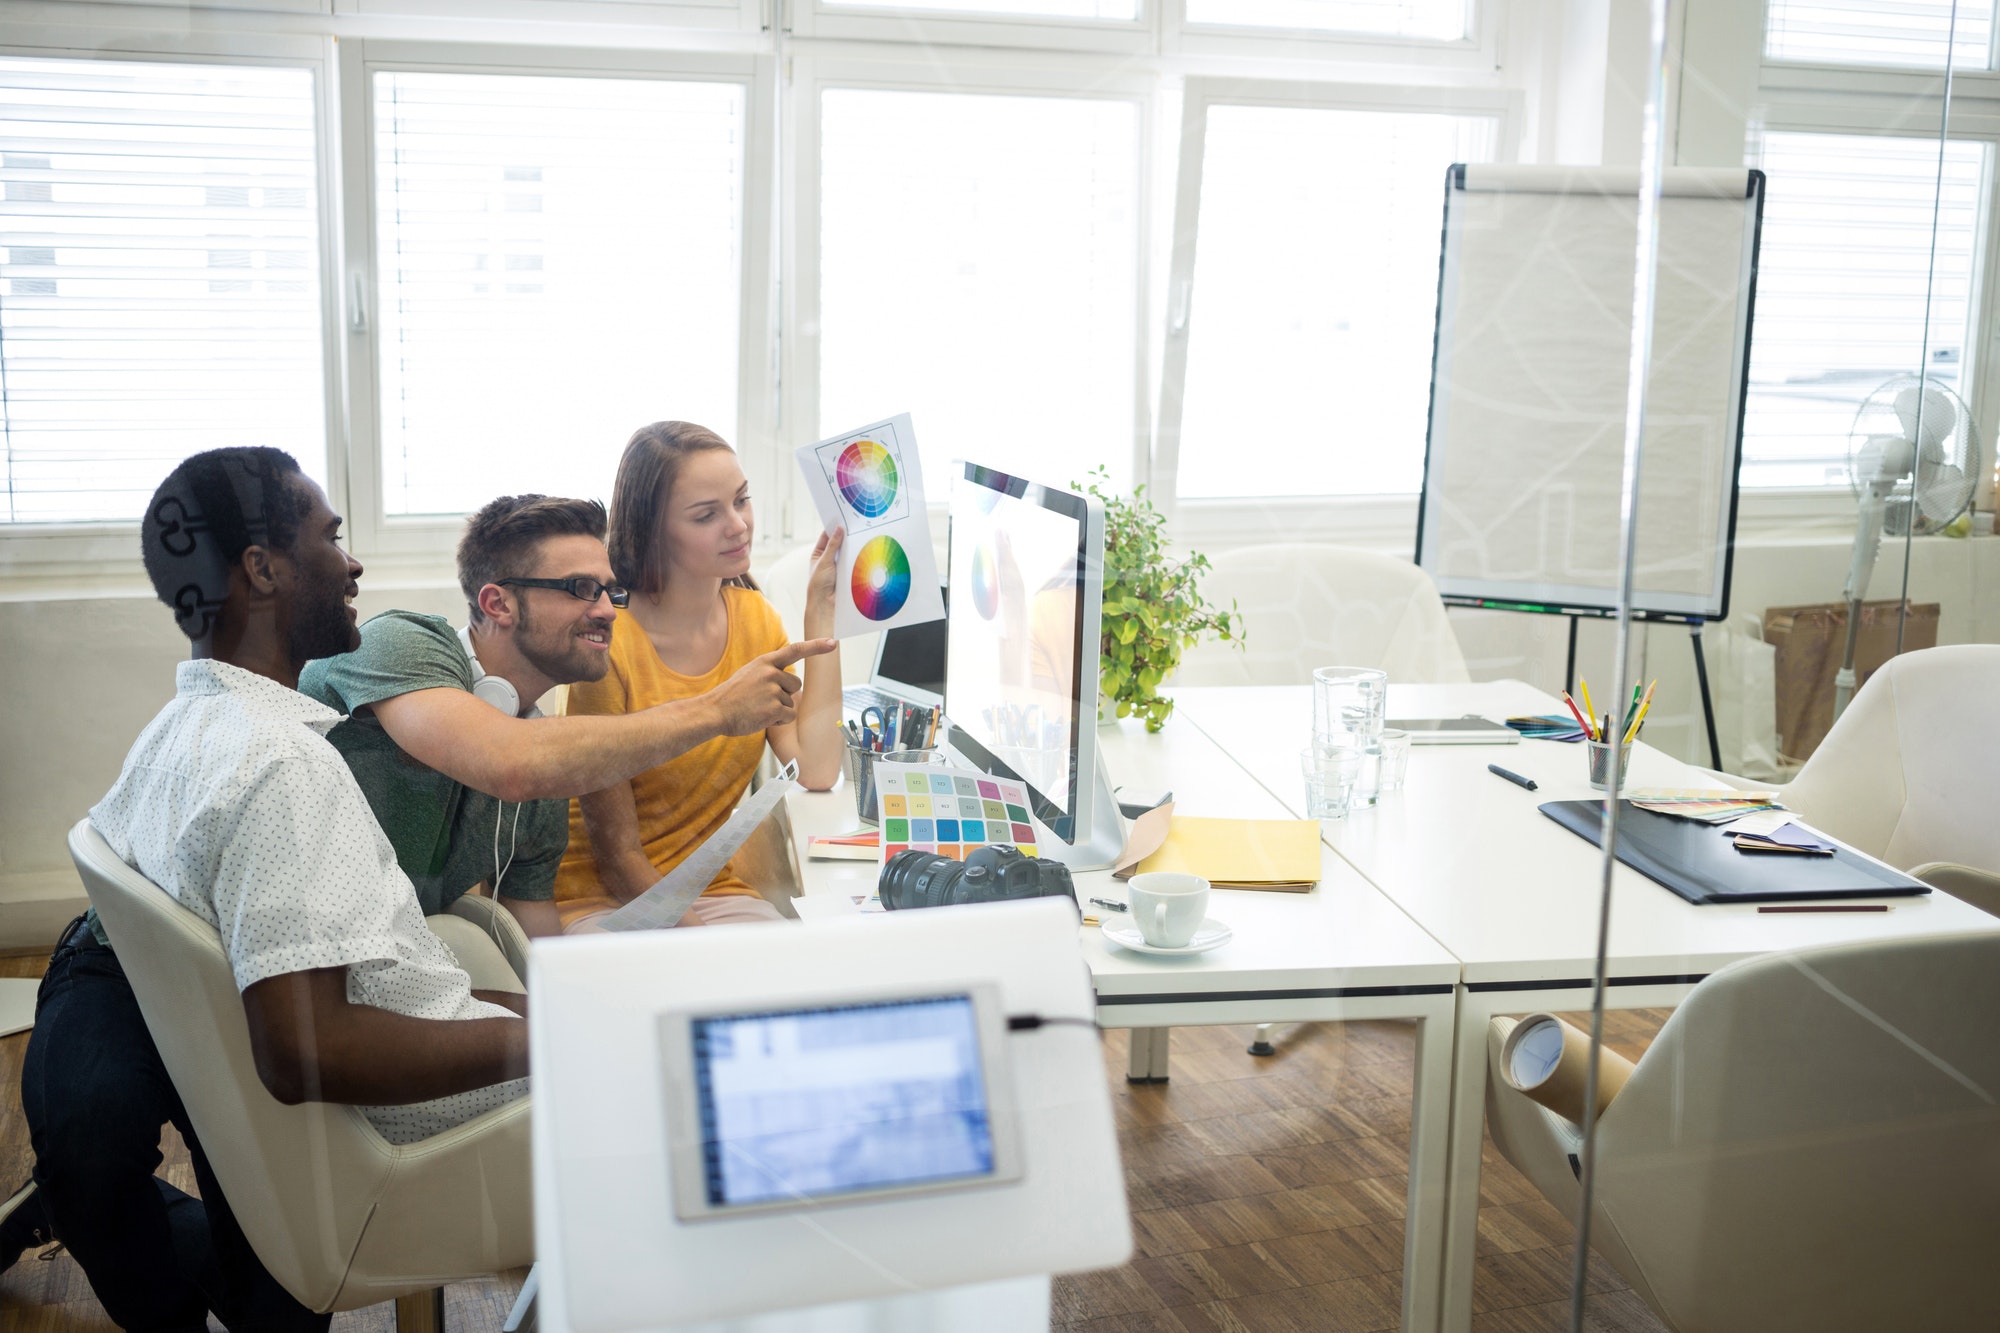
680	532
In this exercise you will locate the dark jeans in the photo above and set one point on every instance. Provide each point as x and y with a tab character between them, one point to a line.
96	1094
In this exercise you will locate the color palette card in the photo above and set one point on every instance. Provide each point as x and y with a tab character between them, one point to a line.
949	811
870	482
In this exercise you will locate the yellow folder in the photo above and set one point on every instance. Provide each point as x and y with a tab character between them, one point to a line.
1279	854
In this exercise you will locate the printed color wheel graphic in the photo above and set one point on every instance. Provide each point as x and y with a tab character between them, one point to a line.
866	476
881	582
985	583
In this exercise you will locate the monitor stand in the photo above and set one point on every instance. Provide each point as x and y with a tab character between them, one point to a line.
1102	841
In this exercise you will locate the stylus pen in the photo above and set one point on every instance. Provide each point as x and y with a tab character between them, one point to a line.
1514	778
1827	907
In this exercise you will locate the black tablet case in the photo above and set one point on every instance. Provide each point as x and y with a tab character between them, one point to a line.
1700	861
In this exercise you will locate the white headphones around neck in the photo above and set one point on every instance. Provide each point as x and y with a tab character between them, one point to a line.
495	690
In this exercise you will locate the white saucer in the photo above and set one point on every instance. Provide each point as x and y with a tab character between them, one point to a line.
1210	934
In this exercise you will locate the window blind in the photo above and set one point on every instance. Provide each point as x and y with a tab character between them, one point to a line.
1911	33
159	277
1054	9
559	262
1841	290
1315	298
979	270
1434	20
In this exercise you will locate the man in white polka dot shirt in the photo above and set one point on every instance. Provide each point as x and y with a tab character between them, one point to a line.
233	801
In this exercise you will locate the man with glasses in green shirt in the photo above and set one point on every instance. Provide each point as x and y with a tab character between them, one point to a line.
467	778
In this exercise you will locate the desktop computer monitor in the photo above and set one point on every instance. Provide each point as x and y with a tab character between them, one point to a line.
1022	640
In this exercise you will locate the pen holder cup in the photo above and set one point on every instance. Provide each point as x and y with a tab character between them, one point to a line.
858	765
1600	762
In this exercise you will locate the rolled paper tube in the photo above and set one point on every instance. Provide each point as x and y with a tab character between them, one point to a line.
1548	1061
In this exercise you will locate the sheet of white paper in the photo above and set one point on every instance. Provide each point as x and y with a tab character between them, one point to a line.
668	901
1760	823
871	482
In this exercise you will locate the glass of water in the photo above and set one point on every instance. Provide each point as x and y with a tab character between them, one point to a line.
1348	707
1395	758
1330	772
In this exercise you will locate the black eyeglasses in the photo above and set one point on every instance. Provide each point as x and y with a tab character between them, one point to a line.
581	586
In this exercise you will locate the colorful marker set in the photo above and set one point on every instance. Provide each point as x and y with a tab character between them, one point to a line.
1599	729
949	812
902	727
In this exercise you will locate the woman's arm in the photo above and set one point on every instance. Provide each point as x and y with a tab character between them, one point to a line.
611	819
813	737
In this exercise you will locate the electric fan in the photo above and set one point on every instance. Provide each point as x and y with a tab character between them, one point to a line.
1913	460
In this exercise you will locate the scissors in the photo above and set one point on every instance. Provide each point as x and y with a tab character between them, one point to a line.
869	731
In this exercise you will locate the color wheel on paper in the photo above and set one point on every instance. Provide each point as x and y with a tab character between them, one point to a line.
881	580
866	476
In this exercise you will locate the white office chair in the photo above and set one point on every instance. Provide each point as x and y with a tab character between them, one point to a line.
340	1217
1310	604
1906	774
1812	1142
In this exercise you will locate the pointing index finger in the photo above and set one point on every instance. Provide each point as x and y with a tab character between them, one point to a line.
792	652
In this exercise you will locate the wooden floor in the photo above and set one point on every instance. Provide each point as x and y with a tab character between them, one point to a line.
1267	1196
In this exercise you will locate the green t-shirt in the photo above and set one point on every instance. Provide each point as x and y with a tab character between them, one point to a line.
442	830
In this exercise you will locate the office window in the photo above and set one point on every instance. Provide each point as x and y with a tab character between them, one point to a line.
1315	298
978	269
1913	33
559	262
159	277
1841	290
1054	9
1437	20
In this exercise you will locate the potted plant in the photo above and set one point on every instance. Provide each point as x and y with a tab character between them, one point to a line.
1153	607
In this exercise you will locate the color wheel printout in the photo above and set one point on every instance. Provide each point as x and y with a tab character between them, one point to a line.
870	482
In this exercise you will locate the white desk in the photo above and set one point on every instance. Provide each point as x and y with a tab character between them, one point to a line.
1513	895
1343	951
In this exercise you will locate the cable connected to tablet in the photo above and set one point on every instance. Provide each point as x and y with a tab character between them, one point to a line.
1029	1022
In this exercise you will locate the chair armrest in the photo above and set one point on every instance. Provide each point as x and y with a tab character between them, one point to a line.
1981	888
497	924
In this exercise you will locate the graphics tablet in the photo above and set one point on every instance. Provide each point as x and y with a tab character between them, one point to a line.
1700	861
1467	730
871	1096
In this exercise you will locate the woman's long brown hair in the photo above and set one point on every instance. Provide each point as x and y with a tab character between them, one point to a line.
646	475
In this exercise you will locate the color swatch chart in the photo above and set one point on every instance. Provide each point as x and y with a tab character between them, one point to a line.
950	811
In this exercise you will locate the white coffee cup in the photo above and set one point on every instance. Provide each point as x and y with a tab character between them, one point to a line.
1168	907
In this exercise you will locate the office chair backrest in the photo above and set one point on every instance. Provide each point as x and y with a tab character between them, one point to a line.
1308	604
1906	773
264	1153
1813	1141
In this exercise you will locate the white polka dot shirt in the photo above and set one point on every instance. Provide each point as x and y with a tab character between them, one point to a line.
233	801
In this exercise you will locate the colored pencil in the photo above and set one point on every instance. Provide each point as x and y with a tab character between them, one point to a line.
1577	713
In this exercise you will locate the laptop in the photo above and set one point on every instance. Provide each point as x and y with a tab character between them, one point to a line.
909	669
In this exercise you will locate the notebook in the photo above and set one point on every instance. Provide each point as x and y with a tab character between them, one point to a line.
1700	861
1281	855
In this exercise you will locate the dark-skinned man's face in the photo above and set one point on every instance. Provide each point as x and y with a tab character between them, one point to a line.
324	582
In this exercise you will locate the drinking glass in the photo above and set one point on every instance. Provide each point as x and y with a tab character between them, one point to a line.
1348	707
1330	771
1395	758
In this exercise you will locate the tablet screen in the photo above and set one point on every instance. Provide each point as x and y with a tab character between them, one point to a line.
799	1105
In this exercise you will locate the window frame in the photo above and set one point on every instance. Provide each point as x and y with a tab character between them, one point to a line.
1478	52
1887	102
61	557
990	77
886	23
1338	512
419	543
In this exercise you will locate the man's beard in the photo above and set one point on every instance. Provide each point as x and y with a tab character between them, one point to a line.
321	627
565	660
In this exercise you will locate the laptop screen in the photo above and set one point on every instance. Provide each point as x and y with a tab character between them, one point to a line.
912	656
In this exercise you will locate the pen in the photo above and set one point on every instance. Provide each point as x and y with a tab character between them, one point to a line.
1826	907
1515	778
1108	905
